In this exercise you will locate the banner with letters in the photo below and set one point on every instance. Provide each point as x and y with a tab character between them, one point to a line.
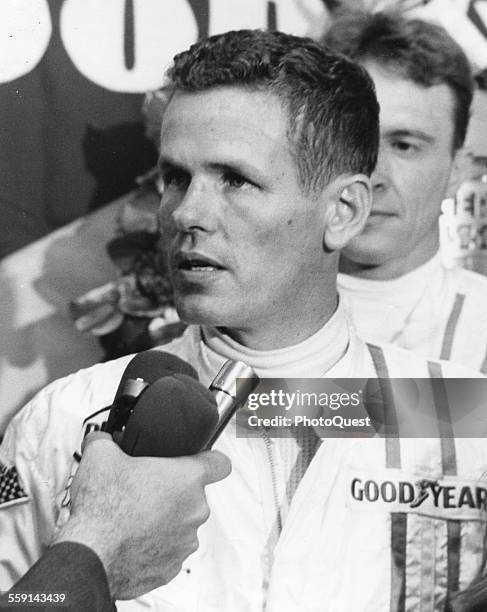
72	77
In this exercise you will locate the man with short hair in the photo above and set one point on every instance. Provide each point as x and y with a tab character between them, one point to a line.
393	281
266	147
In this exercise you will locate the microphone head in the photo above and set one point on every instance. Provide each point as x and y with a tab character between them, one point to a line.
153	364
143	370
174	417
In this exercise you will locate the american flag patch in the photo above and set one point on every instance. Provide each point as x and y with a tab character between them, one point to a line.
10	488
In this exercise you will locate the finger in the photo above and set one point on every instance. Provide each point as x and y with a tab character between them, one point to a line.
91	437
217	465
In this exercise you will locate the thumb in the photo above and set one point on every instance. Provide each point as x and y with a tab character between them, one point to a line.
94	435
217	465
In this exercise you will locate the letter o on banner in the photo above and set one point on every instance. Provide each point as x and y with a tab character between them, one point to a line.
96	34
25	32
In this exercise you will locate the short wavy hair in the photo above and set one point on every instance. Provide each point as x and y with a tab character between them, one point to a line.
418	50
330	100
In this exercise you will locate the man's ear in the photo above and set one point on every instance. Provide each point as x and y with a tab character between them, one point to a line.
349	200
461	168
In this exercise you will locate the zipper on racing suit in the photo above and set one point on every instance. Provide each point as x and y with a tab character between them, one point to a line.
272	465
276	528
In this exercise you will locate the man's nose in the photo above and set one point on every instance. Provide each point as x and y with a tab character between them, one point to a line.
195	211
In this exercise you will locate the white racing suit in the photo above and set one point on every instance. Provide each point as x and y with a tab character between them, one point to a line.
374	525
446	320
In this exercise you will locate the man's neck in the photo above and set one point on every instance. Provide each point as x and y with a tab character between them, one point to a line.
311	357
387	270
272	335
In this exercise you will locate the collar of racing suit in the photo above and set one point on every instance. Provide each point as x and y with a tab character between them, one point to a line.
381	310
311	358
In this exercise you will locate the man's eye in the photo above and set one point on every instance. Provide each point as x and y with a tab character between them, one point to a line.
403	146
233	179
175	178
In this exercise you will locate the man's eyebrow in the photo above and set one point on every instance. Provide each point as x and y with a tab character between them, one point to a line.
409	134
247	170
165	163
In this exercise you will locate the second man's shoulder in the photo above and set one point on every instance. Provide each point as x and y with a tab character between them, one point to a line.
391	361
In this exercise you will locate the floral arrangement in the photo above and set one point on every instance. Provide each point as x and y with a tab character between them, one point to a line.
135	311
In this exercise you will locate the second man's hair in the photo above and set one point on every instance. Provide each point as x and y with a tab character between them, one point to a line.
417	50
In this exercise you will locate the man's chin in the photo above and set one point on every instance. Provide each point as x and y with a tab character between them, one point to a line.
366	250
199	312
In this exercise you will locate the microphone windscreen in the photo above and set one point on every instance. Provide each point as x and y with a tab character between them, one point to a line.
174	417
153	364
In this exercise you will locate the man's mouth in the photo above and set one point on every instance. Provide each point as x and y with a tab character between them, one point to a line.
196	262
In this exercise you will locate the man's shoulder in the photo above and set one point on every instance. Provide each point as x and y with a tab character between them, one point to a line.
82	388
74	398
100	376
469	283
57	418
59	409
391	361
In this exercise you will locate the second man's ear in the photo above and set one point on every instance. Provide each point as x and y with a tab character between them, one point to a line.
347	211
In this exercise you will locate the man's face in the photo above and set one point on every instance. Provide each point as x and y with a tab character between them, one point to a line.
245	245
412	175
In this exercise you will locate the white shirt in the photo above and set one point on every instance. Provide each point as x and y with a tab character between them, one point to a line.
434	311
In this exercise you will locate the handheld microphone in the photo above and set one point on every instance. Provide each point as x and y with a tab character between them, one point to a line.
174	417
177	416
143	370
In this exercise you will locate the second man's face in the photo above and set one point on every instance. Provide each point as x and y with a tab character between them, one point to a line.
411	179
245	245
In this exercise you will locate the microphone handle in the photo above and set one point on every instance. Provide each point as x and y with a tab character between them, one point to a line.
231	388
124	404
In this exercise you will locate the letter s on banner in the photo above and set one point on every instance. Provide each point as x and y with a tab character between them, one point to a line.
25	32
95	34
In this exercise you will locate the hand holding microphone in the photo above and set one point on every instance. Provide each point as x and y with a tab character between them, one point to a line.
160	408
139	514
150	522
